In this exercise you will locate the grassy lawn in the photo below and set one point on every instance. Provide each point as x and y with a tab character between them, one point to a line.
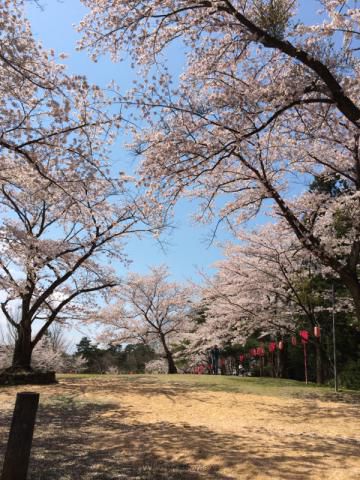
274	387
190	427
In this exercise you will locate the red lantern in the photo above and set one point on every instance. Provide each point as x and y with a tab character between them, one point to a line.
260	352
317	332
272	347
281	345
242	357
304	334
293	341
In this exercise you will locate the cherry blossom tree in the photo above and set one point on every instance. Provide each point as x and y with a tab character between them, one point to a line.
156	366
63	214
54	249
49	119
149	309
248	293
268	284
51	353
264	101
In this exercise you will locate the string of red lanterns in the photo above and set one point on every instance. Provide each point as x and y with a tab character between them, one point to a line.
272	346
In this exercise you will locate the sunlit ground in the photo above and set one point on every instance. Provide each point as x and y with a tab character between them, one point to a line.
190	427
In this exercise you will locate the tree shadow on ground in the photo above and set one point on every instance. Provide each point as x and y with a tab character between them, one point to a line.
146	386
349	398
306	413
87	441
83	441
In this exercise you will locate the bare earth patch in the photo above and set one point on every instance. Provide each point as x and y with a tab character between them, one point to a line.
140	427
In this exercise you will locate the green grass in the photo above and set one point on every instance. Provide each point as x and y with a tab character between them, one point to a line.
218	383
246	385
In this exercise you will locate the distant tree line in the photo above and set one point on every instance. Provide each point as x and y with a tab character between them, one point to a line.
114	358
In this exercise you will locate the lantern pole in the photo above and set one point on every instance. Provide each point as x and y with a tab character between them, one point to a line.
334	338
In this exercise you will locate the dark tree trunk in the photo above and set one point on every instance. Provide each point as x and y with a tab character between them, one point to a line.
281	363
273	367
319	362
353	285
261	360
171	364
23	348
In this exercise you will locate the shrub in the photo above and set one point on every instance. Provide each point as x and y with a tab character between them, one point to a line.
350	375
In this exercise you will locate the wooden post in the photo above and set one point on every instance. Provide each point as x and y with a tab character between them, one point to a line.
18	449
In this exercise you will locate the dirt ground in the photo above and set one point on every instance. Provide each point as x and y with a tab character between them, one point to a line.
132	427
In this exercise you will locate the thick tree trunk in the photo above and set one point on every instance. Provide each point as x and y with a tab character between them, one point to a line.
353	285
171	364
23	348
